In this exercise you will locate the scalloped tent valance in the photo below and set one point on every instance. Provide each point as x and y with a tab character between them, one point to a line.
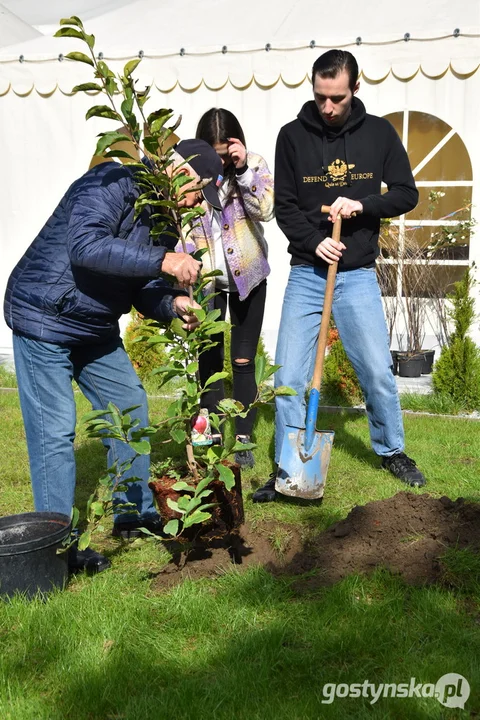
239	67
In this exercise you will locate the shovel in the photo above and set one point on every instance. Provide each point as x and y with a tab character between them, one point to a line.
305	453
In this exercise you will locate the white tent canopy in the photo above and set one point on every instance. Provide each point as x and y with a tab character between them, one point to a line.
13	29
199	56
45	15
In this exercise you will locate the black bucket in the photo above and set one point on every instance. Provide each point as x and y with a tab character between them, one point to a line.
29	563
410	366
428	357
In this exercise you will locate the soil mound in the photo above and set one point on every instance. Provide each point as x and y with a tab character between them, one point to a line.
408	534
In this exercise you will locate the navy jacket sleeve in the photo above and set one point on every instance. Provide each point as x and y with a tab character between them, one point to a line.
155	300
96	206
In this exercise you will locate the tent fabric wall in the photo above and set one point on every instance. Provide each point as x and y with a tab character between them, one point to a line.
46	143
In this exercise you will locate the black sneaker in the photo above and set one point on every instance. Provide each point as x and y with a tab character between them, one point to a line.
405	469
267	493
131	530
89	560
244	458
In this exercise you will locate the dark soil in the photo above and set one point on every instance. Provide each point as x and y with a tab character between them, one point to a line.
407	534
227	514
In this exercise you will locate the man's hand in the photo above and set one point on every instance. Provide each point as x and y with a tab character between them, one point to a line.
329	250
183	266
345	207
183	306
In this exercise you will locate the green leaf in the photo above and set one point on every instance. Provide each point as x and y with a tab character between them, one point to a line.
118	154
73	20
216	376
260	365
202	485
171	528
75	517
142	447
184	502
84	540
226	476
196	517
80	57
182	485
178	435
70	32
130	66
174	506
103	111
87	86
97	508
176	326
284	390
191	389
107	139
104	70
192	368
127	106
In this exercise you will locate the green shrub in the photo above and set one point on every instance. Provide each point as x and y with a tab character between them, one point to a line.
340	384
144	357
457	371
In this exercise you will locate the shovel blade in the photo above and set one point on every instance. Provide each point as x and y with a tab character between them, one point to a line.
302	473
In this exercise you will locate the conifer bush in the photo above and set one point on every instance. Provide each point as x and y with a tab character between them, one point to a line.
457	372
340	384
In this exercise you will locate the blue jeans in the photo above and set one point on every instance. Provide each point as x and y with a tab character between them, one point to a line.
105	374
358	313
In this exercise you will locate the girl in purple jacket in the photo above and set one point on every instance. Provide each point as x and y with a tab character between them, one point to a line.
236	245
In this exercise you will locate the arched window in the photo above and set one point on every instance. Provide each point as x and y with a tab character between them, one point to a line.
438	230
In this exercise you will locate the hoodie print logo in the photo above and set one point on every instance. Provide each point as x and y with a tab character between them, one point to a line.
337	175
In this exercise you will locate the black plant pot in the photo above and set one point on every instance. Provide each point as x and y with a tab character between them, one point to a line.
29	562
394	354
410	366
427	366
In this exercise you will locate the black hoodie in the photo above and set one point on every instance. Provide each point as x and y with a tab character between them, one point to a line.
315	164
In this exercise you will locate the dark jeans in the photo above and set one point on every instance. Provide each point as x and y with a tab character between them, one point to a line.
246	317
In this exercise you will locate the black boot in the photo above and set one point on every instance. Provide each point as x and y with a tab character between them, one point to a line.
267	493
405	469
89	560
131	530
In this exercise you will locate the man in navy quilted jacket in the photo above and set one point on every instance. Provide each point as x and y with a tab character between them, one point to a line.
89	265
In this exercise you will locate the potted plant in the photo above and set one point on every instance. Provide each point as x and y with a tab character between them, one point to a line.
413	290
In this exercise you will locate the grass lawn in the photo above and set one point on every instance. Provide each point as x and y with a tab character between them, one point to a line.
245	645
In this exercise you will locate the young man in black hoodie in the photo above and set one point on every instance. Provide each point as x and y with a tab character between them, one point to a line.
335	154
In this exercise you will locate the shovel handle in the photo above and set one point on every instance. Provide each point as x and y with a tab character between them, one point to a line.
327	308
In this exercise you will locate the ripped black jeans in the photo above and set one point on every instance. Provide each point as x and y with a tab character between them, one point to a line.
246	317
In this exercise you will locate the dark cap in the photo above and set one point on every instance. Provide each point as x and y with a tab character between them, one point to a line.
207	164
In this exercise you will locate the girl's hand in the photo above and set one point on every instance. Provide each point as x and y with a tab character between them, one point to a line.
238	152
